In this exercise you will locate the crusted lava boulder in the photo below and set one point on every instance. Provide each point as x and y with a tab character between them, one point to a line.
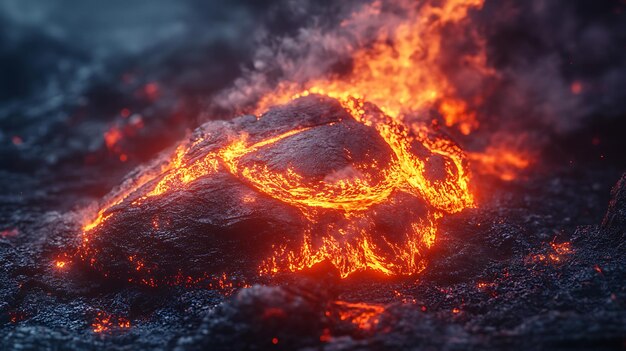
202	211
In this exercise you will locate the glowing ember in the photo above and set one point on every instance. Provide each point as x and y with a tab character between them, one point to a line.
556	254
485	285
401	73
350	197
501	162
112	137
363	315
16	316
326	336
597	269
576	87
560	251
105	322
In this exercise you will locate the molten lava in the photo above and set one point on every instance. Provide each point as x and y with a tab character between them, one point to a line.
350	197
399	71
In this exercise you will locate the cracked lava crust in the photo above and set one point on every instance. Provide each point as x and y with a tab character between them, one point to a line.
311	181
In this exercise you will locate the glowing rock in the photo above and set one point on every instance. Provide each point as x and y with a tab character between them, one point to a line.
305	183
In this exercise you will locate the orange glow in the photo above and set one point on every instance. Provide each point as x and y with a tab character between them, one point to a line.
112	137
557	253
105	322
455	112
564	248
485	285
60	264
501	162
363	315
118	198
597	269
16	316
248	199
561	251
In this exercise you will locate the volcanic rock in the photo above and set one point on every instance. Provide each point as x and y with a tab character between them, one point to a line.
220	223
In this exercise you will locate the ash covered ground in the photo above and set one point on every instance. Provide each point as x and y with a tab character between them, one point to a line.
538	265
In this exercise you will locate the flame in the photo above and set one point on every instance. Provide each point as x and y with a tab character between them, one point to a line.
400	71
112	137
557	253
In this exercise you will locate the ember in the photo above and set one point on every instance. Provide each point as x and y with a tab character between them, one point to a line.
8	233
106	322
